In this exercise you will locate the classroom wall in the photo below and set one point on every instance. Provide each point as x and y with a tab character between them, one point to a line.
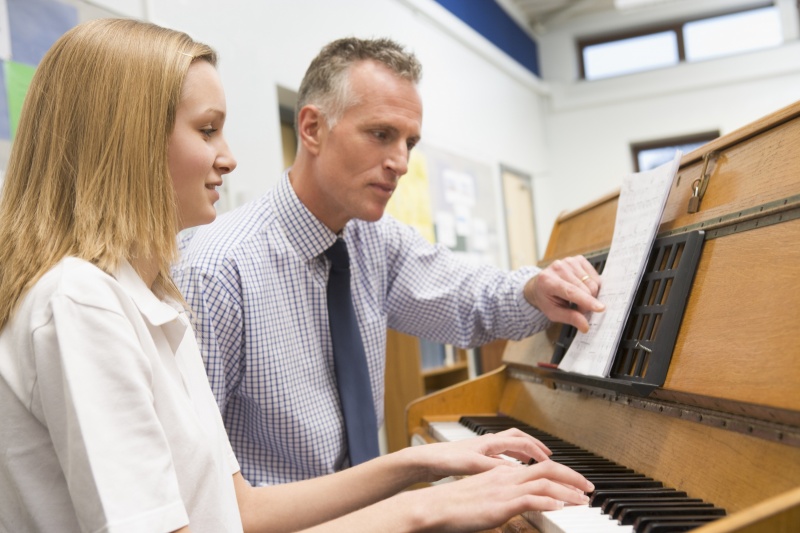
590	125
478	103
573	137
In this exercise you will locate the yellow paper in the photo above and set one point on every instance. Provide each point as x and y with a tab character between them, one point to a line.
411	201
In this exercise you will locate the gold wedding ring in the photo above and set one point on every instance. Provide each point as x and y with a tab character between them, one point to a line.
584	278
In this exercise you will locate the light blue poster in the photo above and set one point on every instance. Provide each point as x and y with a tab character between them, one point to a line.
35	25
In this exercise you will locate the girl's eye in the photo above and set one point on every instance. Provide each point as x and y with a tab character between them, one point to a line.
208	132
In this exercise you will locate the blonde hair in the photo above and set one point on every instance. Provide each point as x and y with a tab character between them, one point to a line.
88	174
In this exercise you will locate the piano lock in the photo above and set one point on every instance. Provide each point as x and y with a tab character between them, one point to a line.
699	185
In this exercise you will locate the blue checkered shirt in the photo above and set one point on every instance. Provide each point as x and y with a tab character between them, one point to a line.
255	280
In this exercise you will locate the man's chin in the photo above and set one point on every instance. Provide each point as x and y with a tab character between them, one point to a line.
373	215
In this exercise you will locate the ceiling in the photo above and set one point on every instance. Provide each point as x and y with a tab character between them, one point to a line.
539	15
543	15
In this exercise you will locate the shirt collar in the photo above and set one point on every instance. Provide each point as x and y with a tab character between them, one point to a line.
163	314
305	232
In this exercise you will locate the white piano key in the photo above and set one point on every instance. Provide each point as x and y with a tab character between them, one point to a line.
451	431
455	431
575	519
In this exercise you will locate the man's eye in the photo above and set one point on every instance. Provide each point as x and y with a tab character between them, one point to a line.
381	135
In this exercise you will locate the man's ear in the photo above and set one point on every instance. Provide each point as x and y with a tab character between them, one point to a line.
310	126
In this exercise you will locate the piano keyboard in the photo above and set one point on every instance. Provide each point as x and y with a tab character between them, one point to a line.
624	501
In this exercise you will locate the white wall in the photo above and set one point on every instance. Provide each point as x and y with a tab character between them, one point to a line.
573	137
590	125
477	102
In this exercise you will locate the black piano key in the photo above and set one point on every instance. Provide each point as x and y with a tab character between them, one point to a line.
575	461
602	476
662	525
616	511
563	447
572	454
612	504
491	429
626	483
475	423
581	457
535	432
600	496
569	452
629	516
488	430
598	469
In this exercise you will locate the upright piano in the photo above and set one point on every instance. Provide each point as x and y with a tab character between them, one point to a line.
723	422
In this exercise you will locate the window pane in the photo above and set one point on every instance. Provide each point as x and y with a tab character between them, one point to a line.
653	157
630	55
731	34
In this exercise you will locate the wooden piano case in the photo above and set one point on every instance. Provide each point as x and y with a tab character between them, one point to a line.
725	423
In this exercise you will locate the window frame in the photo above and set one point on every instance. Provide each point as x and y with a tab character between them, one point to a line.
675	27
637	147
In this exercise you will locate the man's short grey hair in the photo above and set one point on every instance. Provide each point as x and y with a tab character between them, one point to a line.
327	84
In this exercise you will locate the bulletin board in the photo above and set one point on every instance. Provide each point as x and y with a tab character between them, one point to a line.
28	28
450	199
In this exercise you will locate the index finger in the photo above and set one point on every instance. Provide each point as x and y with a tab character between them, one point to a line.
517	444
585	301
562	474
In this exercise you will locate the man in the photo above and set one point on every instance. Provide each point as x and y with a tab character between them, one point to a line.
256	280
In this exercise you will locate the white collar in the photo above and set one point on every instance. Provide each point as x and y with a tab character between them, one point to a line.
159	313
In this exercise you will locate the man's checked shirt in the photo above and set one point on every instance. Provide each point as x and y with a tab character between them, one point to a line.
255	281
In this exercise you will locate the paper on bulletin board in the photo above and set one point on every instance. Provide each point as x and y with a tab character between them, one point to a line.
411	202
462	192
458	188
446	229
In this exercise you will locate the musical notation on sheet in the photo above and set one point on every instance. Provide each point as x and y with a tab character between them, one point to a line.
641	203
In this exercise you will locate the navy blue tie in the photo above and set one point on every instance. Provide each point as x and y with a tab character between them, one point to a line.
350	360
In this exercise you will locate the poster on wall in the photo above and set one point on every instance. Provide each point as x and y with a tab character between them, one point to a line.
411	200
35	25
28	28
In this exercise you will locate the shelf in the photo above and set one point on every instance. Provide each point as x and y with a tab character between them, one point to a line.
406	381
446	369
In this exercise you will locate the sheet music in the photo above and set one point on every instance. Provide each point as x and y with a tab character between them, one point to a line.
641	204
